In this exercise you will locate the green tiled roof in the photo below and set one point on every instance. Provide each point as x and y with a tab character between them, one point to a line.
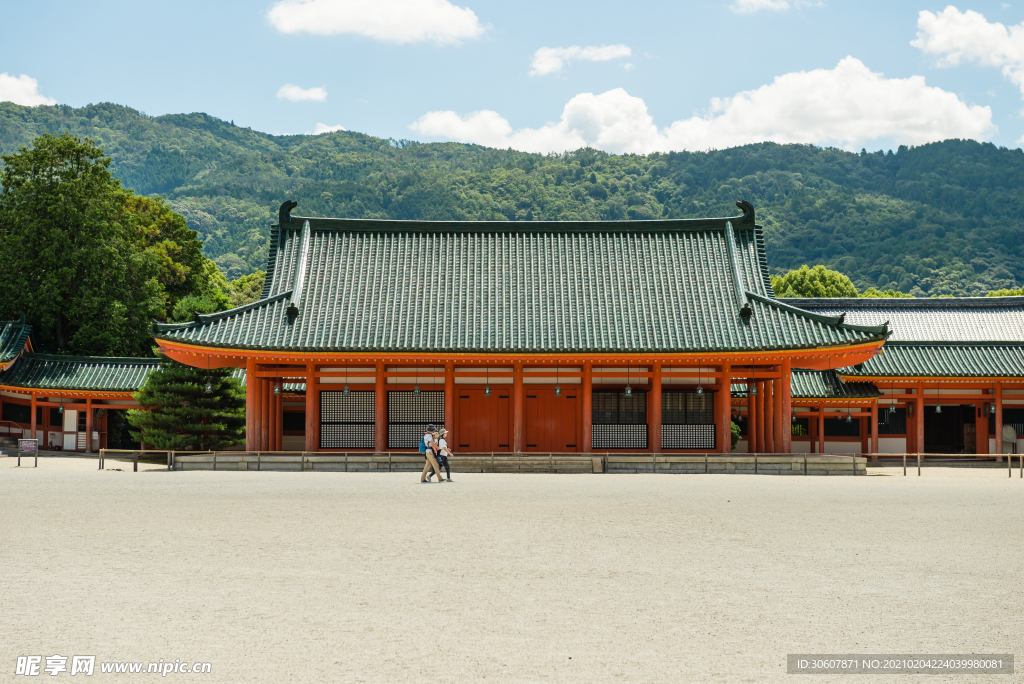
810	384
910	359
942	319
83	373
13	335
517	287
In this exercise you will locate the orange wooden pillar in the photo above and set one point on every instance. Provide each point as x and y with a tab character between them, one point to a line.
751	419
777	416
759	412
380	411
32	419
265	395
724	420
312	410
250	405
919	418
587	408
821	428
449	395
981	430
873	440
654	411
999	421
786	403
279	419
517	408
768	400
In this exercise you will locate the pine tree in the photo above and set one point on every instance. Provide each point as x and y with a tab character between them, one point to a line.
189	409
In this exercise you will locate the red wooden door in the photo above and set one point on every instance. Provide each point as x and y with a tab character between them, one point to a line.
483	421
552	422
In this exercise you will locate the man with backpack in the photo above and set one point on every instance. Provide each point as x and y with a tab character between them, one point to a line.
428	449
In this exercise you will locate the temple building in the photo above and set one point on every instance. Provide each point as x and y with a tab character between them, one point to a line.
519	336
638	336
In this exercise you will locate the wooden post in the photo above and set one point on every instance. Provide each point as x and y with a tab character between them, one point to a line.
32	422
588	396
517	408
265	395
751	420
250	404
999	420
449	396
919	418
821	428
759	412
777	432
380	412
654	411
88	425
312	410
769	416
280	418
787	408
981	431
725	411
873	440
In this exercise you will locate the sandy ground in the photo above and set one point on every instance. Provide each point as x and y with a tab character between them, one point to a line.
355	577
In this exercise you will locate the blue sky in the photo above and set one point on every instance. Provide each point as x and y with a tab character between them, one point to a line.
633	76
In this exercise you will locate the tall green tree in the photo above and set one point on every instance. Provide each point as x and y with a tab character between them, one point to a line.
813	282
177	412
69	258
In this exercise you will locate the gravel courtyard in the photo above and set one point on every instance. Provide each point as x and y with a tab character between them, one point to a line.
355	577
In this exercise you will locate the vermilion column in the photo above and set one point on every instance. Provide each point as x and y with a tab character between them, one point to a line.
449	395
873	441
312	410
588	396
981	430
250	405
264	421
654	413
999	420
380	411
920	410
279	420
769	416
759	411
751	419
786	420
725	411
821	428
517	408
777	416
88	426
32	419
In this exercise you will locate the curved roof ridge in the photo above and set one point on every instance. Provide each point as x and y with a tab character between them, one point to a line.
92	359
836	321
907	302
202	319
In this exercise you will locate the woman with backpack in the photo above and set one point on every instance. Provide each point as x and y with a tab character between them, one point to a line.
428	449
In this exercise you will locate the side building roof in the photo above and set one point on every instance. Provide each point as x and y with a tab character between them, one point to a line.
353	285
825	385
14	335
961	337
78	373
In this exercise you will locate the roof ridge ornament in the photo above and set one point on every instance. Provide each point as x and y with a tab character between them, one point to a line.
284	214
300	279
748	211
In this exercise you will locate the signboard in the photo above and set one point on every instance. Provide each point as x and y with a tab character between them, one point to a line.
28	447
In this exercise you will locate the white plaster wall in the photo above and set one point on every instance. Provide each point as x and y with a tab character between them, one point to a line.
892	445
842	447
801	447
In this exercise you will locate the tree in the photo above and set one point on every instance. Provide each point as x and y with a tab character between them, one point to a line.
70	264
813	282
887	294
246	289
176	411
1006	293
89	262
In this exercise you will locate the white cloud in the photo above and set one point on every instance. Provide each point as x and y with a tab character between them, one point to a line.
294	93
23	90
550	60
750	6
848	106
956	37
391	21
324	128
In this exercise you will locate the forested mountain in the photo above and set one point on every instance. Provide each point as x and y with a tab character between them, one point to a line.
944	218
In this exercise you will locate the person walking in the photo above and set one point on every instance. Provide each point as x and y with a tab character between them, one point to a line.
427	448
443	452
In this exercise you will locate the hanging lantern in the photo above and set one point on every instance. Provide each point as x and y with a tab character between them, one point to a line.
487	391
892	408
277	389
487	386
938	409
793	419
629	390
740	418
346	391
209	386
992	409
416	390
700	390
849	418
558	391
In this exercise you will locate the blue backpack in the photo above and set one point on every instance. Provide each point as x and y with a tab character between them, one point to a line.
423	444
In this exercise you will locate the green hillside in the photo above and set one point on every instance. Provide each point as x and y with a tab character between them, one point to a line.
945	218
